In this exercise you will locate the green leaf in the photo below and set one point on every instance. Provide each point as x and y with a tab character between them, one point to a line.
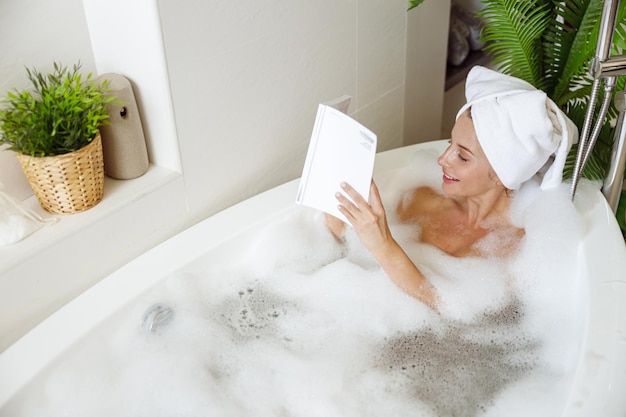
414	3
513	32
575	45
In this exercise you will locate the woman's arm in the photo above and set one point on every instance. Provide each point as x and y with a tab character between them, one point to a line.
336	226
370	224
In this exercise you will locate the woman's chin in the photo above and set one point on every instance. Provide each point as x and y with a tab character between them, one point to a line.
449	186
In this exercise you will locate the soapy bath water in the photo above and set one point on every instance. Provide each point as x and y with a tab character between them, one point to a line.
296	324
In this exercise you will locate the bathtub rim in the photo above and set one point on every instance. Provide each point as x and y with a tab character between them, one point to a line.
602	359
103	299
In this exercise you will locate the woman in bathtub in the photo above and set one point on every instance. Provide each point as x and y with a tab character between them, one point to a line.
503	136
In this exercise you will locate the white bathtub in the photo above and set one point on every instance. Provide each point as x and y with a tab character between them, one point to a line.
599	387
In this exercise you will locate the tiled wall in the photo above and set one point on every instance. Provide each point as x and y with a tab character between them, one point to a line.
246	78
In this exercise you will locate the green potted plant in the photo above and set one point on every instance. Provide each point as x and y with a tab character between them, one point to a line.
550	44
54	130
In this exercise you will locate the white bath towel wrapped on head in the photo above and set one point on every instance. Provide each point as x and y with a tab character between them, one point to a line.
518	127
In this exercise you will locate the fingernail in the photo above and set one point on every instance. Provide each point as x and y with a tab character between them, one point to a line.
343	184
337	194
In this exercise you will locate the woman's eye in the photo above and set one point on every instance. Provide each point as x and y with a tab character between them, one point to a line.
458	151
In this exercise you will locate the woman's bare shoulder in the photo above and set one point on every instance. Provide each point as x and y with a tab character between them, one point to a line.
428	192
420	201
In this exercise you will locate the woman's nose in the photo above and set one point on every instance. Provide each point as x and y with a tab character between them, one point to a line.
443	158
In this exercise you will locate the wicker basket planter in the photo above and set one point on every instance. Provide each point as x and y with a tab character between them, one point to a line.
67	183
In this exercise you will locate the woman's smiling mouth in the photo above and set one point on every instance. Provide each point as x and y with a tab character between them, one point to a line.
448	179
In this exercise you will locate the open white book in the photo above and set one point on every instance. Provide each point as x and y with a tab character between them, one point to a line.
341	150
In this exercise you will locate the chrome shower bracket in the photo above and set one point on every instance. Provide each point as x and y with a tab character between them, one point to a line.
605	70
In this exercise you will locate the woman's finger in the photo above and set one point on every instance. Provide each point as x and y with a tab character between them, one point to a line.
345	201
348	215
375	200
347	208
354	194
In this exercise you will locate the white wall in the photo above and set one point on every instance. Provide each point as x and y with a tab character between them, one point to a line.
232	88
35	33
246	77
427	46
129	43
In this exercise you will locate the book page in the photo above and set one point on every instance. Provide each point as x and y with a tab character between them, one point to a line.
341	149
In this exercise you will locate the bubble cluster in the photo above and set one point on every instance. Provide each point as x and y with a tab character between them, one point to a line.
253	313
298	324
458	369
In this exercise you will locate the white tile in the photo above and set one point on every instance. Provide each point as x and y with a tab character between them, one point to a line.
381	48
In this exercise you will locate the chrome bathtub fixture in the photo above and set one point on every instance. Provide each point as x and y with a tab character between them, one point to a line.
156	317
605	70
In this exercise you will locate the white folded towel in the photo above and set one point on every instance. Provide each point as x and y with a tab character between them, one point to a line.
519	128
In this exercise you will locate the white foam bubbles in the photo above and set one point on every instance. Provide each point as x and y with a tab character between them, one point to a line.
292	323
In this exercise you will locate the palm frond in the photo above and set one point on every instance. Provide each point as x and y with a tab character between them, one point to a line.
513	34
577	22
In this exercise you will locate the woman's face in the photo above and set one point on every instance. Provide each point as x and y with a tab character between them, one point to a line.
466	170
